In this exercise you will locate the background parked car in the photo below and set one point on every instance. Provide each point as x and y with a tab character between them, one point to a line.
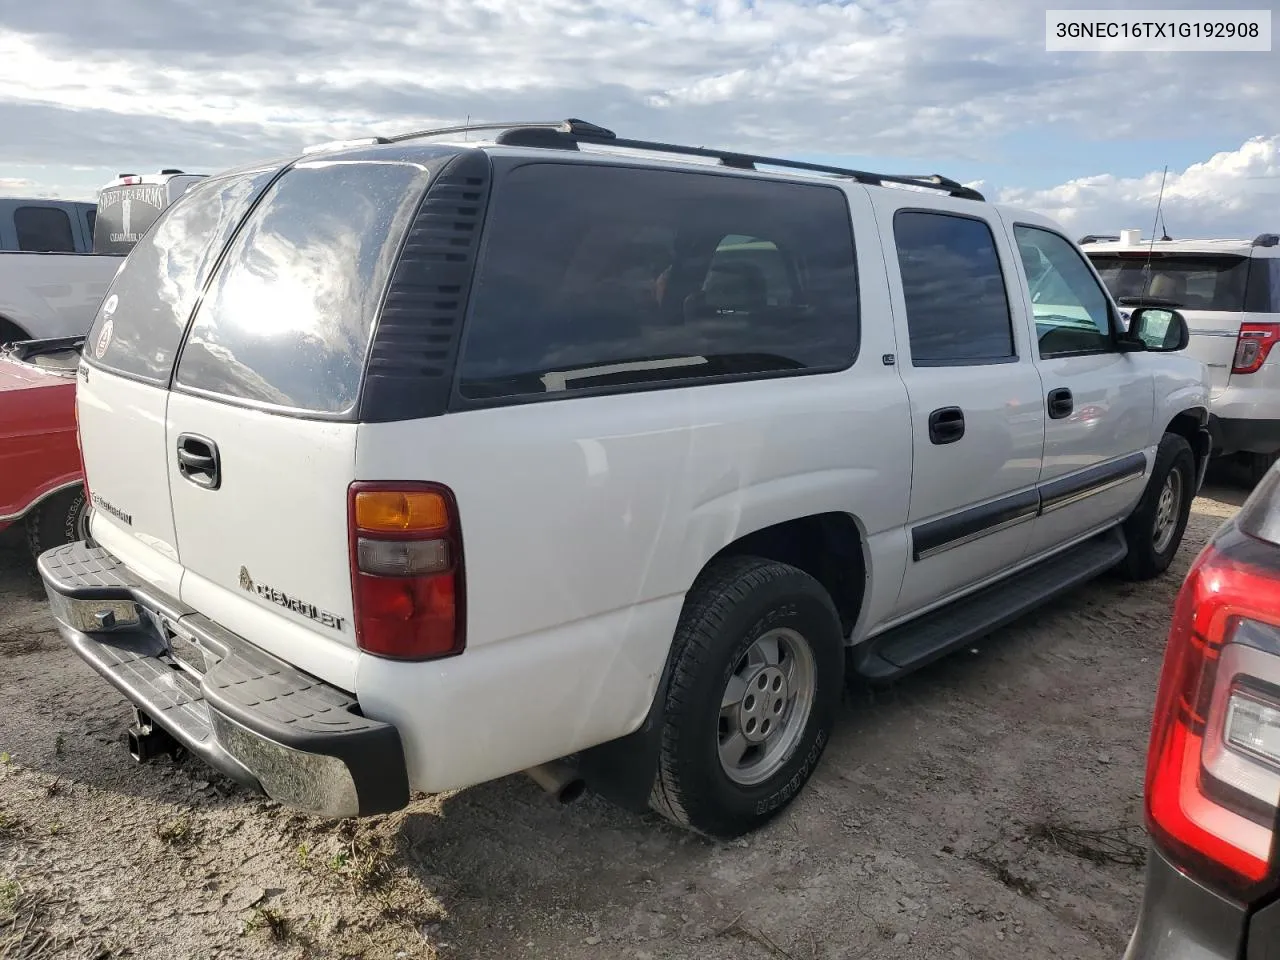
1213	771
50	283
57	257
131	203
1229	292
40	472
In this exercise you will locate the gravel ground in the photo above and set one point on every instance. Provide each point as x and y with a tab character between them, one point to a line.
988	807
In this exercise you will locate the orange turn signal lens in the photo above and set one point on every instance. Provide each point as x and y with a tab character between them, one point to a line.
401	511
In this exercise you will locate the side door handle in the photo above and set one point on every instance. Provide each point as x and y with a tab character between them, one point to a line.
198	461
1060	404
946	425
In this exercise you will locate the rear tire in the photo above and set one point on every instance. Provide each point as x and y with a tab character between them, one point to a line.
1154	530
756	680
61	518
1256	466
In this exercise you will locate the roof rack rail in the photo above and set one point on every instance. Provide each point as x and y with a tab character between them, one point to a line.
567	134
1098	238
1266	240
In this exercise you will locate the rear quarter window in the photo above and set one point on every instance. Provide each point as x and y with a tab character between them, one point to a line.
286	322
140	322
1263	294
606	278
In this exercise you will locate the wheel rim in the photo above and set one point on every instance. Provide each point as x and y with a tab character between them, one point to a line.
765	706
1167	508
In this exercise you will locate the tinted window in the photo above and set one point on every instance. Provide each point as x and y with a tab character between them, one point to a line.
92	216
44	230
127	213
601	277
1070	308
1263	295
287	320
957	307
1184	281
140	323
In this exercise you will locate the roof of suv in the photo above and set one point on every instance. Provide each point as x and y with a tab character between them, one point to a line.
536	140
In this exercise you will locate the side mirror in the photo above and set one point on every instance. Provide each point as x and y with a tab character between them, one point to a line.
1158	329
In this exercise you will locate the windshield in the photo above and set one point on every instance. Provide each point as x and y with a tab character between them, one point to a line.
1187	281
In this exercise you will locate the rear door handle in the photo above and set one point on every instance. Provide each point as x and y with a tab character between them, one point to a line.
198	461
1060	404
946	425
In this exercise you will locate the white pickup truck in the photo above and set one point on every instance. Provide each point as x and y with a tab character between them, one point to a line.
50	280
57	257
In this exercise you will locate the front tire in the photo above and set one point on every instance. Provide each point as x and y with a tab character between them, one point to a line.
1154	530
61	518
754	689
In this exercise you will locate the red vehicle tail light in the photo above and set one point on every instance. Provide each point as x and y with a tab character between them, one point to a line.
406	570
1213	769
1253	346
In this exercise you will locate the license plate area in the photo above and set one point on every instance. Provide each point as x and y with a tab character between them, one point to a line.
185	650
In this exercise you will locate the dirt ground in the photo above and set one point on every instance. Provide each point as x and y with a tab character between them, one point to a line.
988	807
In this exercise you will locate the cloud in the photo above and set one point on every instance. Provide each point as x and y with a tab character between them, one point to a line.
135	84
1235	193
15	184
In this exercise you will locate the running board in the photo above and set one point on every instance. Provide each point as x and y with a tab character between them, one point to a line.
912	645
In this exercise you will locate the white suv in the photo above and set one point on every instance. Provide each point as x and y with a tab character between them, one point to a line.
421	461
1229	292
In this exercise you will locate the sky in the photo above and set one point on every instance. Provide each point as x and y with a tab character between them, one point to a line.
89	89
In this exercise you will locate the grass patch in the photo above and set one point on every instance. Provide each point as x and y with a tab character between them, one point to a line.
276	925
10	891
176	833
1123	845
366	863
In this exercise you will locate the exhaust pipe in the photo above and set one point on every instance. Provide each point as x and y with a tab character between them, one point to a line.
146	741
560	779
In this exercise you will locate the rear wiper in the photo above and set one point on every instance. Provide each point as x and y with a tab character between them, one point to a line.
1146	302
716	364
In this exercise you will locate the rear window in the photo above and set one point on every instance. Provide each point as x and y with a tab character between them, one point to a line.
43	230
126	214
288	318
602	277
1189	282
140	323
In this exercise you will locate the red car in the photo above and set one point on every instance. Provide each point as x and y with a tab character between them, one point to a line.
41	479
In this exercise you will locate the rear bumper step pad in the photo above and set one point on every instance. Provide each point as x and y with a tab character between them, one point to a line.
244	712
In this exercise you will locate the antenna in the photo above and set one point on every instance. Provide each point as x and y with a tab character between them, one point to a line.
1146	281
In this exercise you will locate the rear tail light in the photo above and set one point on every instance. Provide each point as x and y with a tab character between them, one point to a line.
1253	346
1213	770
406	570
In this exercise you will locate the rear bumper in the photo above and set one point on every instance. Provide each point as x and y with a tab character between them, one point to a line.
246	713
1243	436
1182	920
